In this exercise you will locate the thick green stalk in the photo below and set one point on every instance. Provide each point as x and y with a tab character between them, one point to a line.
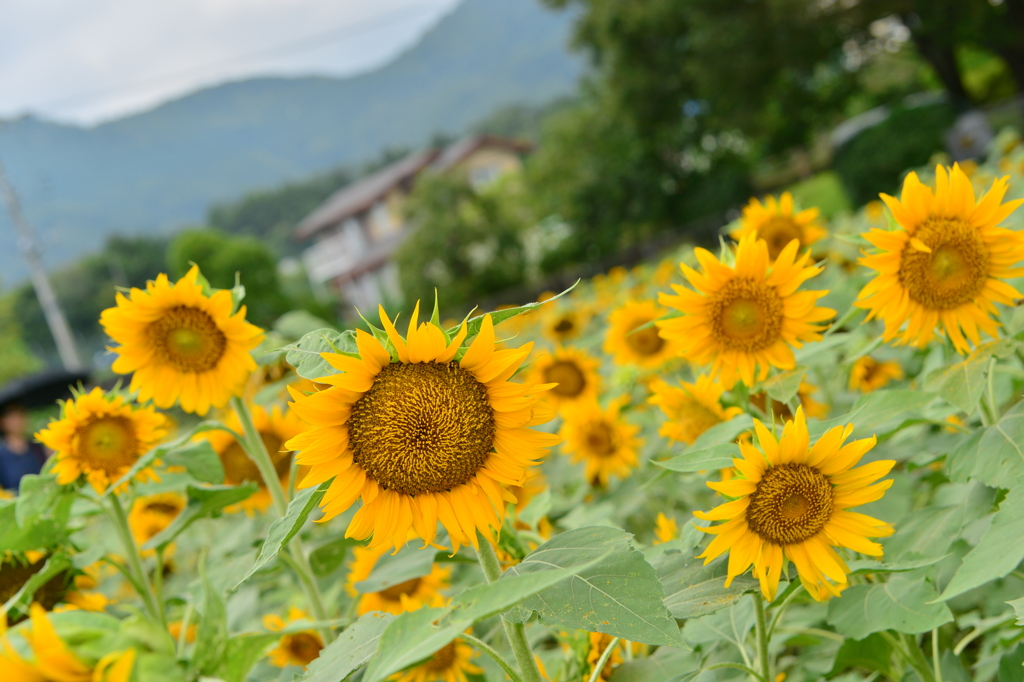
120	520
761	633
516	632
257	451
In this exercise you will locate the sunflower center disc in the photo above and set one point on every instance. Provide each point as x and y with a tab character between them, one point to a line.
187	339
564	326
568	376
954	272
108	443
395	592
422	427
746	315
792	502
238	468
163	508
304	647
646	341
601	439
443	660
779	231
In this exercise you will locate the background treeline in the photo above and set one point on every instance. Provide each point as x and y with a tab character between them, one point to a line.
690	106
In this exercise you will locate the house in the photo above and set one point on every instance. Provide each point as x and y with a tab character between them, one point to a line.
356	231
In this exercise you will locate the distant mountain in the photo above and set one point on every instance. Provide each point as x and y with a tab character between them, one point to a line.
160	169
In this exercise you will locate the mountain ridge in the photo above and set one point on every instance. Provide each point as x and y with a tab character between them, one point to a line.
160	169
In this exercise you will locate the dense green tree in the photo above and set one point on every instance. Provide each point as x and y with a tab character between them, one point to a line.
86	287
221	257
466	243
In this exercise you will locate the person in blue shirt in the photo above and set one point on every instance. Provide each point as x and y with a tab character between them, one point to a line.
19	454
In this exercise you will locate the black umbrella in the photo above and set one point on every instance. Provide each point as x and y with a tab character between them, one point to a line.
40	390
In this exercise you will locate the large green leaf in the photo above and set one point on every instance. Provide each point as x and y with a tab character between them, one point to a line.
241	653
328	557
726	432
702	459
350	650
203	501
199	459
57	563
962	384
305	354
873	653
212	630
875	412
928	532
998	553
393	569
414	636
994	455
37	498
284	529
37	532
904	603
621	596
693	589
784	385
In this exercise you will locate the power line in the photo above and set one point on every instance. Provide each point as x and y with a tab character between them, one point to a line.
291	47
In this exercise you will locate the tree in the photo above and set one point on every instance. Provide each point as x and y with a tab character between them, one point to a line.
466	243
220	256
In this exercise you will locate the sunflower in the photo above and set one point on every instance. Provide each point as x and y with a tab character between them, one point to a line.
276	427
406	596
430	437
53	661
691	409
101	436
945	262
745	316
573	373
450	663
565	323
602	439
792	502
778	224
298	648
151	514
645	348
868	374
181	345
665	529
805	394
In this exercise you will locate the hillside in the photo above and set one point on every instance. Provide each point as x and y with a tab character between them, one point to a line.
157	170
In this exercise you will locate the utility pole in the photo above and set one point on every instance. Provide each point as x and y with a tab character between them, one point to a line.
44	291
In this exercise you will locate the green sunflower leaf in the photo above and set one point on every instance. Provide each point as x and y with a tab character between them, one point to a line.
905	603
351	649
994	455
203	501
693	589
499	316
305	354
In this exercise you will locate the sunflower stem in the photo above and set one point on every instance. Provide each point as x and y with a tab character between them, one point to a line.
992	405
761	632
601	662
257	451
493	653
516	632
120	520
158	585
935	655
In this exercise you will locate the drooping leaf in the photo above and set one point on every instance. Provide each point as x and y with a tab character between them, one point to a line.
909	562
393	569
875	413
212	629
499	316
904	604
702	459
304	354
416	635
621	596
351	649
285	528
994	455
784	385
962	384
199	459
241	653
693	589
37	532
203	501
998	553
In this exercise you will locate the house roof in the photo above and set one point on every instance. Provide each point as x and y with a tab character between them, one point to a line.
459	151
359	196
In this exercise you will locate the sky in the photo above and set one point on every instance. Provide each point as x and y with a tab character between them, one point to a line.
92	61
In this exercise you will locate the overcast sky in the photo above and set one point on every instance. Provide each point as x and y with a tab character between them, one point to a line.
86	61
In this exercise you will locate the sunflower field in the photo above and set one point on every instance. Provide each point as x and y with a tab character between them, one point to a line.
798	458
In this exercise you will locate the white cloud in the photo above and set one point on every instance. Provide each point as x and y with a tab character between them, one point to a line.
91	61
